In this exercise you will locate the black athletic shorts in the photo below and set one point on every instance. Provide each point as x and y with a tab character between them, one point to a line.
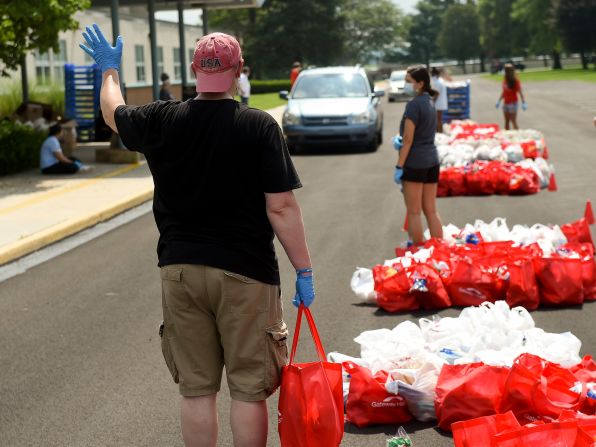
425	175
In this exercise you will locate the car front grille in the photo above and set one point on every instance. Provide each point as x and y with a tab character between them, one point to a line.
325	120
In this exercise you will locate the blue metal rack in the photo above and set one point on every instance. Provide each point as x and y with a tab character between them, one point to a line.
82	84
458	103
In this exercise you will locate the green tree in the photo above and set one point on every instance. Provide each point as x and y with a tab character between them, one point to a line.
310	31
371	27
576	21
424	29
538	18
33	24
460	34
500	34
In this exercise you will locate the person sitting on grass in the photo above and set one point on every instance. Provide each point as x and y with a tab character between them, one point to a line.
52	160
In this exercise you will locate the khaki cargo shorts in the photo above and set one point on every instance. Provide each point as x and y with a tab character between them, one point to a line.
215	318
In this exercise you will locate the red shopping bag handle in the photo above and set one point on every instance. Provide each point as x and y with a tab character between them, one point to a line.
313	330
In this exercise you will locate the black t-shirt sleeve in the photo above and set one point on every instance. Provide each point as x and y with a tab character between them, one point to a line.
140	127
277	170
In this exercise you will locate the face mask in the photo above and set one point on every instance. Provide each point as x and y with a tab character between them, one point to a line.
409	89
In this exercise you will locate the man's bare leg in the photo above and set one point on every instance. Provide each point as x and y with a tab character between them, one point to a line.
249	423
198	416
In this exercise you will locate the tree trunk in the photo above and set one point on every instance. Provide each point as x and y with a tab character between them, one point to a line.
482	67
584	60
557	60
544	60
463	66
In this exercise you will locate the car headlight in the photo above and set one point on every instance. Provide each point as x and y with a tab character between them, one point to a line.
290	119
362	118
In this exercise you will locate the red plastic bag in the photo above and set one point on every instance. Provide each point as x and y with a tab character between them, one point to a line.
393	289
311	397
456	181
586	251
530	149
560	434
578	231
480	180
523	288
435	296
559	281
479	432
443	186
468	391
537	388
523	181
369	403
472	284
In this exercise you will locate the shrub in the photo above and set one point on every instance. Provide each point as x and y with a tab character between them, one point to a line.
19	147
272	86
11	96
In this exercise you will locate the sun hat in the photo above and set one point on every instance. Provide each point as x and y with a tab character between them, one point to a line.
216	61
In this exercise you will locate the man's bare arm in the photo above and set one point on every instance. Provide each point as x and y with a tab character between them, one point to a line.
110	97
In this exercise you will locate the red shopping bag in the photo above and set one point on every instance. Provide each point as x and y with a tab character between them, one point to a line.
427	287
538	388
311	397
578	231
480	180
468	391
472	284
586	251
443	186
523	288
369	403
393	289
560	434
479	432
559	281
456	180
523	181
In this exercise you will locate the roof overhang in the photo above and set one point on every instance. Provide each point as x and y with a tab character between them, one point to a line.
187	4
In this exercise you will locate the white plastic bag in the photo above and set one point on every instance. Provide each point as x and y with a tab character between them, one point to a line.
363	285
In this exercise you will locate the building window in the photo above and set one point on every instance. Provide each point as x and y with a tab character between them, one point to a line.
42	67
191	53
177	66
58	62
140	62
160	66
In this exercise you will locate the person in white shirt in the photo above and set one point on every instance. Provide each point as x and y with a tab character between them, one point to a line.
244	86
51	158
440	101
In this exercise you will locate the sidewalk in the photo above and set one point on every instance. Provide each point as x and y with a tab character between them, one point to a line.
38	210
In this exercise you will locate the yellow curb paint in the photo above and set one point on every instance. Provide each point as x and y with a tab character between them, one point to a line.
59	191
58	232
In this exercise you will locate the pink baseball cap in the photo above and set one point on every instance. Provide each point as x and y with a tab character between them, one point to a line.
216	61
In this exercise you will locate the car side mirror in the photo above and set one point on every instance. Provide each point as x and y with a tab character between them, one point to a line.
378	93
283	94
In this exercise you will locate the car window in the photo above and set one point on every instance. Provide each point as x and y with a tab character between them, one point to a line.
397	76
331	85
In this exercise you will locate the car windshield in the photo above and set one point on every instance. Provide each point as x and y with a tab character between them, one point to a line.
397	76
332	85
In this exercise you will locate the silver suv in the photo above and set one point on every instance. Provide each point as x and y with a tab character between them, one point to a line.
333	106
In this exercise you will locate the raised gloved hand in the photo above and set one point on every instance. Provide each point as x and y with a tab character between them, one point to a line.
397	175
305	290
397	142
104	54
498	104
524	106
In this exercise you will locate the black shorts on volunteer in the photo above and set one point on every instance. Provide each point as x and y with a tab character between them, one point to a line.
422	175
235	322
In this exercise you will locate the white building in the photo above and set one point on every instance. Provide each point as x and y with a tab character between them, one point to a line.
136	56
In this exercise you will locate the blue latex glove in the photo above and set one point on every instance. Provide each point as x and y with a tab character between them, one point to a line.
105	55
397	175
305	290
397	142
498	104
524	106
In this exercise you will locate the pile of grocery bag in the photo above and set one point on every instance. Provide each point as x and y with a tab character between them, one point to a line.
489	375
486	262
481	159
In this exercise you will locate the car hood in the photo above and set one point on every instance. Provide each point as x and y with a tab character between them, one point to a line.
328	106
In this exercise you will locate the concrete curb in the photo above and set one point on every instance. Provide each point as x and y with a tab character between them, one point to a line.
29	244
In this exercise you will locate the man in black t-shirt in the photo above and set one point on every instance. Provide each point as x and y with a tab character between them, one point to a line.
223	188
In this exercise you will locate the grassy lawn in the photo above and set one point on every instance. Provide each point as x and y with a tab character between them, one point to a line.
569	74
265	101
